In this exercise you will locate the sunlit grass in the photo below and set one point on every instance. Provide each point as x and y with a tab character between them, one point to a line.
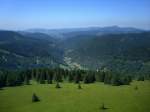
71	99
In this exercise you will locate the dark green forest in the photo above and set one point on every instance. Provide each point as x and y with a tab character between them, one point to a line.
49	76
115	58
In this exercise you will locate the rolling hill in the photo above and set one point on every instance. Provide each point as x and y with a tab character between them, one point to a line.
114	48
19	51
126	52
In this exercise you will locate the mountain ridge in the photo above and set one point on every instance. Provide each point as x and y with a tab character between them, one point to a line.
85	49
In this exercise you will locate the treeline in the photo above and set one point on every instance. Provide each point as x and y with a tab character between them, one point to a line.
14	78
49	76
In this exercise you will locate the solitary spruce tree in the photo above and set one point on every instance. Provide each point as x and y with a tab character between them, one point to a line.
136	87
26	80
57	85
35	98
79	86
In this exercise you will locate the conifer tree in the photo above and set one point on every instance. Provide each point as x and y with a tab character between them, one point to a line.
77	77
136	87
35	98
49	77
57	85
79	86
26	80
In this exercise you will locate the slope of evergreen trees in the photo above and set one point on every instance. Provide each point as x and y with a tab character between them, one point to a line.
48	76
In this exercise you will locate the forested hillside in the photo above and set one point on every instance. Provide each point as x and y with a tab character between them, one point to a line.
125	52
21	51
128	52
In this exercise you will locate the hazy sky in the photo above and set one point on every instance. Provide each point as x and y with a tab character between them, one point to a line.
24	14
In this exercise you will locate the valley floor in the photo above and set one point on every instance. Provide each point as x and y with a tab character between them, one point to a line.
70	99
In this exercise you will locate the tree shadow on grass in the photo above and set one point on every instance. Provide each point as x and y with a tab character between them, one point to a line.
1	89
29	84
103	108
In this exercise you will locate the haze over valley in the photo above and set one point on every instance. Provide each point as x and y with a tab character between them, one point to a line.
74	55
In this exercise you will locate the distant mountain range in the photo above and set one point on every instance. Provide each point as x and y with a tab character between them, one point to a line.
123	49
69	32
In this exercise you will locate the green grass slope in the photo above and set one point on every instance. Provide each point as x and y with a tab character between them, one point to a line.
71	99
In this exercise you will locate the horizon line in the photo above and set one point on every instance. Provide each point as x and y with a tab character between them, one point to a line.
81	27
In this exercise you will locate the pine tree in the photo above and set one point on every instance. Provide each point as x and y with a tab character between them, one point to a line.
2	79
140	78
126	80
136	87
70	76
92	77
10	80
26	80
57	85
79	86
35	98
49	77
77	76
101	76
42	77
18	80
86	79
108	78
58	76
116	81
37	75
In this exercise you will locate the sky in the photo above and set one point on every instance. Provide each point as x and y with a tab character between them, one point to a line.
51	14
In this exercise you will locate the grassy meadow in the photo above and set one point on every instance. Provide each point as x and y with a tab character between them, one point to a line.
71	99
